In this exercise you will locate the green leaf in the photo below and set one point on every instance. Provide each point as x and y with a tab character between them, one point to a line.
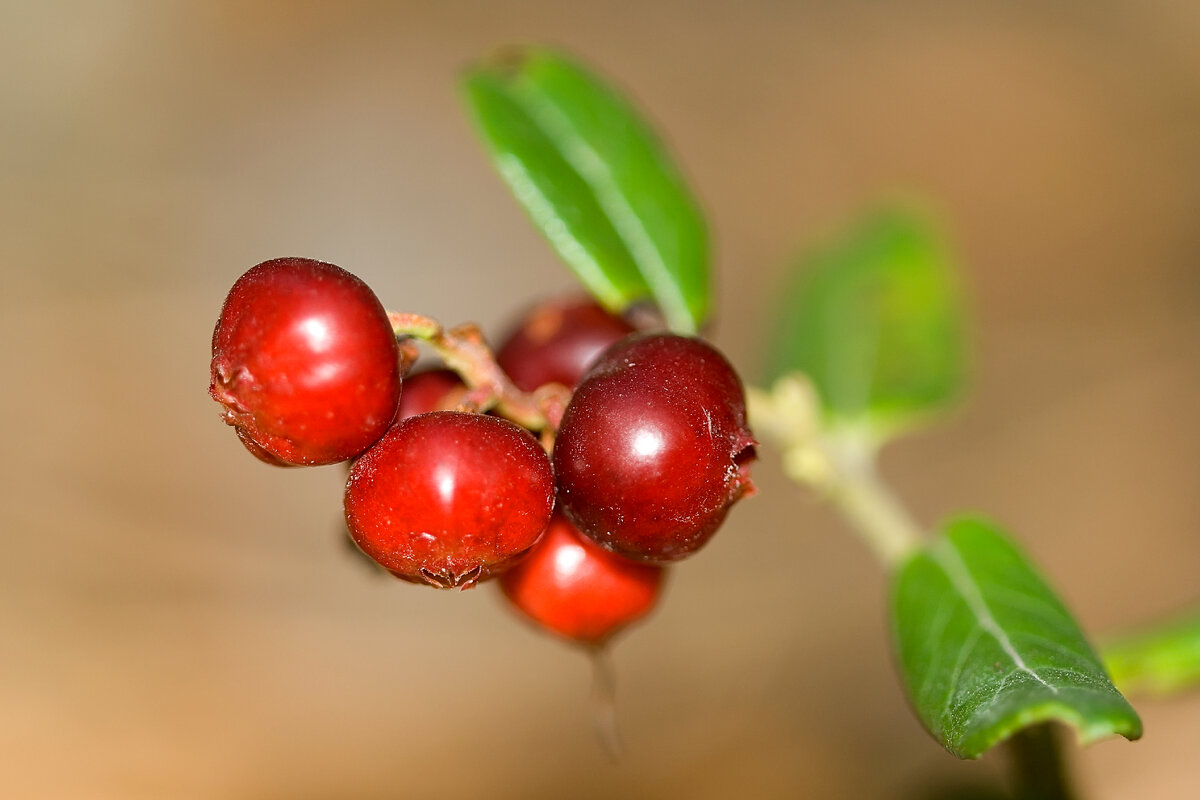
596	181
875	321
986	649
1161	661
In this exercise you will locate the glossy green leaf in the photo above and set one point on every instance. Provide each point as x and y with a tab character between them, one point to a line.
875	321
1161	661
986	649
596	181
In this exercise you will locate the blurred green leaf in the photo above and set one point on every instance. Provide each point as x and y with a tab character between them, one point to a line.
596	181
875	321
1160	661
986	649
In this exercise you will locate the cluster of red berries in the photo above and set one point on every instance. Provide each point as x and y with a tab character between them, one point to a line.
651	451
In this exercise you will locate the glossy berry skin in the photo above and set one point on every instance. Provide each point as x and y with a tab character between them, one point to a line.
557	342
450	498
305	363
432	390
653	448
571	587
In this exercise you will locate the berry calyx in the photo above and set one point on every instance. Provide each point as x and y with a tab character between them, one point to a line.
653	448
304	362
571	587
450	498
557	341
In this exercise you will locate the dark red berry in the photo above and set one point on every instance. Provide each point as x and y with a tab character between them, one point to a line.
305	362
557	342
571	587
432	390
449	498
653	448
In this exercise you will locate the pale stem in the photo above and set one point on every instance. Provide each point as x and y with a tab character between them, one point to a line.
840	464
604	702
868	503
464	350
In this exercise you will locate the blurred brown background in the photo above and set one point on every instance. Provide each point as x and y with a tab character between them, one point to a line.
180	621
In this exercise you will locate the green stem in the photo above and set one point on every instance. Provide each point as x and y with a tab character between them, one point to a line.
1039	769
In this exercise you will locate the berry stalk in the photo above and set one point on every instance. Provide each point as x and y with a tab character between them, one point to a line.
464	350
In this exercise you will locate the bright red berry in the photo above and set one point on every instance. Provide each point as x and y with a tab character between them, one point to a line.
653	448
432	390
305	363
571	587
257	451
557	342
449	498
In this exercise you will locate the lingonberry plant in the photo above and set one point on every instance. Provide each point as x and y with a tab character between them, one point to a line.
614	412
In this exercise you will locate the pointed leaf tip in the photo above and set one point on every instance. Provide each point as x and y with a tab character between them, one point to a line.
595	180
986	648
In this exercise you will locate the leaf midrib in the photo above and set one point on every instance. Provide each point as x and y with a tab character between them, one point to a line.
950	561
587	163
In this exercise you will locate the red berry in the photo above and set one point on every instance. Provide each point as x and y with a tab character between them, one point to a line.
653	448
305	362
258	452
433	390
557	342
449	498
575	589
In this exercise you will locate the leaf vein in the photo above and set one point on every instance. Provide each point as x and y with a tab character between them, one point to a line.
591	167
960	577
